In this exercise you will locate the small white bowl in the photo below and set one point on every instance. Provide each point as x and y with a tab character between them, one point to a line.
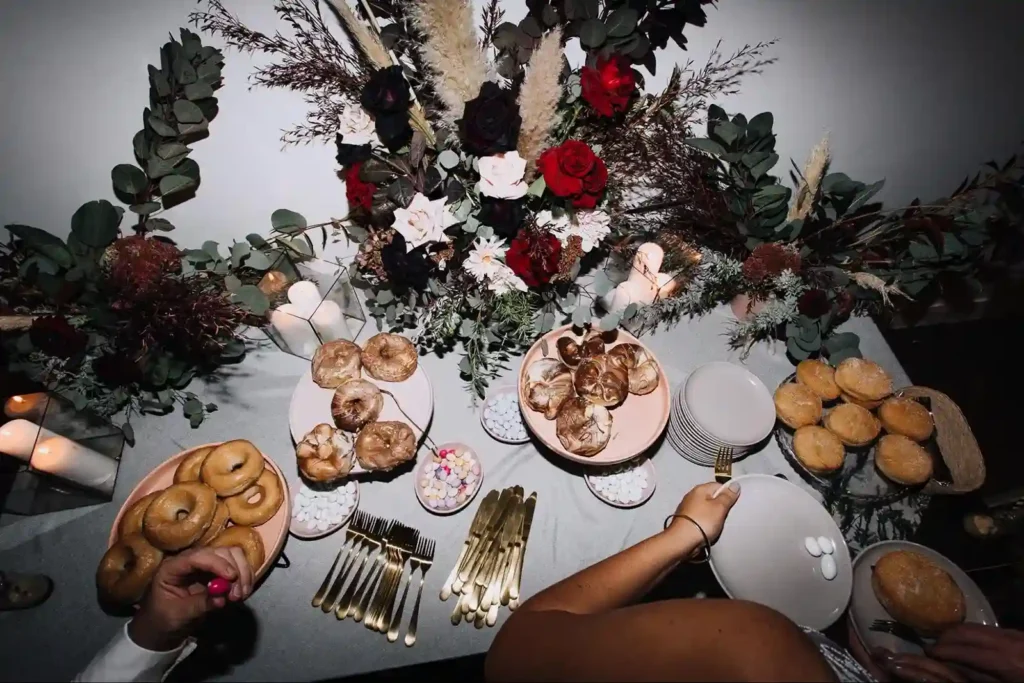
305	530
648	490
493	394
729	404
461	448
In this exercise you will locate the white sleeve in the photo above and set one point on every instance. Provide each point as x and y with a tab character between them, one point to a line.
123	660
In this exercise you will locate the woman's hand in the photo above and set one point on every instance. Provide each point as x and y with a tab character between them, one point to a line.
967	652
708	512
177	599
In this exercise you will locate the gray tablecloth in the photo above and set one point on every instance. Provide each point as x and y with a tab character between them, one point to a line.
572	528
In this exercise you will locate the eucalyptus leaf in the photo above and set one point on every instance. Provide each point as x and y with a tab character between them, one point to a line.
923	251
288	222
727	131
233	349
844	340
467	328
485	231
43	243
258	261
621	22
129	179
537	187
795	350
385	297
448	159
159	225
192	407
581	316
239	250
547	322
161	127
630	312
252	298
610	322
145	208
593	33
95	223
706	145
864	195
602	283
401	192
172	184
193	128
465	367
844	353
198	91
761	125
212	248
232	283
129	434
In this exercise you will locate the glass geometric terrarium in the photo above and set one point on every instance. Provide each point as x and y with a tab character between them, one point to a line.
54	456
311	302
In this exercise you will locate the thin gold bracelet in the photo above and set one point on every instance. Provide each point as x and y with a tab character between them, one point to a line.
707	543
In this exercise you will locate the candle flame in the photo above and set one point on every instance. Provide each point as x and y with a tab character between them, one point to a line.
44	449
18	399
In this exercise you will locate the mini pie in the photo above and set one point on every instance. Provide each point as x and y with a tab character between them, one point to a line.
901	415
863	380
819	378
818	449
917	592
797	406
869	405
855	426
902	460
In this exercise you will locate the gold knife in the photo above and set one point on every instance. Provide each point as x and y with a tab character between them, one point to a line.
476	529
531	506
480	554
493	581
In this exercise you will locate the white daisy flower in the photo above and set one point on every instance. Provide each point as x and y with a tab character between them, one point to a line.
486	258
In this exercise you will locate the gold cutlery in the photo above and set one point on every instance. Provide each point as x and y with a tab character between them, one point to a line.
530	508
425	555
476	529
403	546
723	465
369	588
353	536
478	548
422	546
373	541
494	579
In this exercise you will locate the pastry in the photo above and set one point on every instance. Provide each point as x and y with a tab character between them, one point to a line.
385	445
903	415
863	379
797	406
917	592
602	380
246	538
189	467
902	460
127	568
335	363
818	449
325	454
180	515
131	520
573	353
547	385
855	426
867	405
389	357
232	467
819	378
356	403
221	517
259	502
640	367
582	427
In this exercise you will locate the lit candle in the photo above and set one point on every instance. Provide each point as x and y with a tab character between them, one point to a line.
74	462
329	322
667	285
305	296
29	406
18	438
623	295
294	330
273	283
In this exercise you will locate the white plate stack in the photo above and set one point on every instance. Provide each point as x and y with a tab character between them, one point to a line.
720	405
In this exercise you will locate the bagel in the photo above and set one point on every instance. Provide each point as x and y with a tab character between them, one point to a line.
180	515
640	367
385	445
259	502
246	538
189	467
221	517
547	386
583	428
355	404
127	568
389	357
335	363
325	454
602	381
232	467
131	521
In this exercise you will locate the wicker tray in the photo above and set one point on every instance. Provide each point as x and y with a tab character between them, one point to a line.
957	445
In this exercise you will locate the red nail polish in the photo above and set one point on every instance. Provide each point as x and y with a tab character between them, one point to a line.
218	586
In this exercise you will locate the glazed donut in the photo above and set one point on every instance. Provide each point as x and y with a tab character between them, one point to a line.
335	363
384	445
389	357
220	520
232	467
355	404
127	568
188	469
325	454
131	521
259	502
180	515
246	538
640	366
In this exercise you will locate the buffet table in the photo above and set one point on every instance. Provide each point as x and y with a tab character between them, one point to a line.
571	530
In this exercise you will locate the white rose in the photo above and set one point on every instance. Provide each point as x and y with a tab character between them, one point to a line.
356	127
501	176
424	221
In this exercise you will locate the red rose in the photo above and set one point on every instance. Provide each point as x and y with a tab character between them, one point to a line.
609	87
573	170
534	257
814	303
358	192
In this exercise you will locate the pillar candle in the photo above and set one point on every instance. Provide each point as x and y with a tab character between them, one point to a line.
54	454
30	406
18	438
667	285
273	283
305	297
294	329
329	322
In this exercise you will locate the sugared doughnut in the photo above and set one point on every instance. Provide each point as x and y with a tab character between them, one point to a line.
221	517
325	454
246	538
180	515
356	403
232	467
127	568
389	357
188	469
131	521
259	502
384	445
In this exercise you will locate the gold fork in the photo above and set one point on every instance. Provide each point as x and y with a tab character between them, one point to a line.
369	587
374	540
368	525
352	536
415	552
404	545
426	559
723	465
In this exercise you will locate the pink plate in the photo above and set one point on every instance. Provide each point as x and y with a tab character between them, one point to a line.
274	532
636	424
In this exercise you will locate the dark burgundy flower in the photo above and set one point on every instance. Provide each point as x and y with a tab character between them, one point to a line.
116	370
349	155
573	170
55	336
408	269
136	263
504	215
610	86
534	257
770	259
394	130
358	192
387	92
844	305
814	303
490	123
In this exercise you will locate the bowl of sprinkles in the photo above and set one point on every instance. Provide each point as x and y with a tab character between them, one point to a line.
447	479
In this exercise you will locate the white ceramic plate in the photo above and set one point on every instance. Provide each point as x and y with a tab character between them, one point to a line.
494	393
463	448
647	492
761	557
311	405
865	608
729	403
305	530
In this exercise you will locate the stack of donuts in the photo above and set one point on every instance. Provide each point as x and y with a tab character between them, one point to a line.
213	487
328	452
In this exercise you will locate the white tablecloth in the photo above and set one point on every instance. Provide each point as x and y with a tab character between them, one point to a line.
572	528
